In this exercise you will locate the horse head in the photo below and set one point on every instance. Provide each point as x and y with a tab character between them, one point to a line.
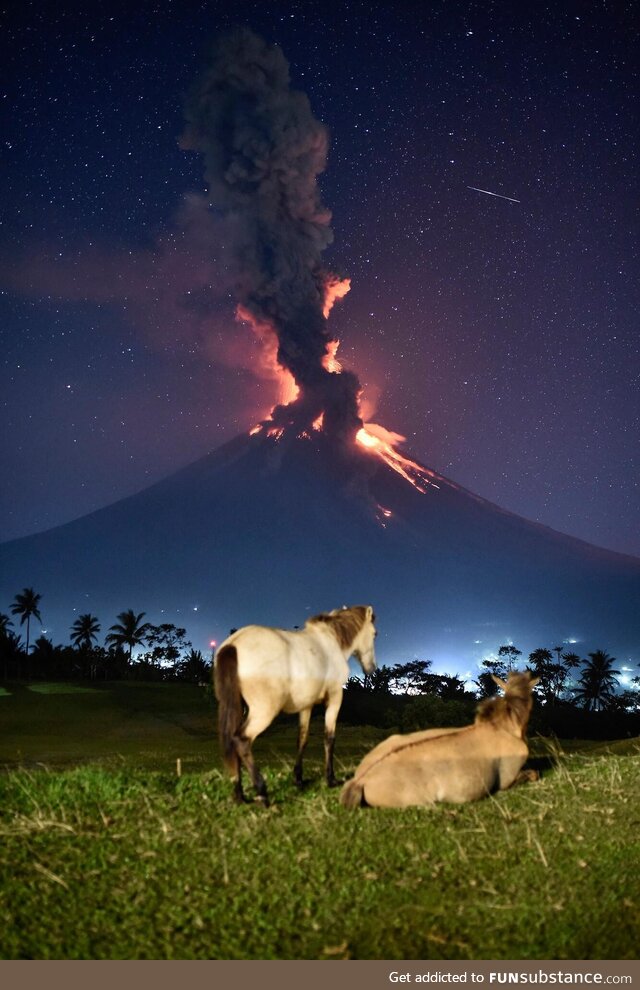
513	709
364	643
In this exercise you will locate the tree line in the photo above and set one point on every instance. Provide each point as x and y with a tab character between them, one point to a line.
593	687
575	697
166	653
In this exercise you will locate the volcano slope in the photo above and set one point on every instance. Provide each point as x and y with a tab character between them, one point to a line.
274	529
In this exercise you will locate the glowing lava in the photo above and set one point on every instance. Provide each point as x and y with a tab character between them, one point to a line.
381	442
267	360
371	437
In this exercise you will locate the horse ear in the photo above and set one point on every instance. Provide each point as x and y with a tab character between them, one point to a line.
501	684
370	613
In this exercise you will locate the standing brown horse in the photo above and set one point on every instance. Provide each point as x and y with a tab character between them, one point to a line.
454	765
260	672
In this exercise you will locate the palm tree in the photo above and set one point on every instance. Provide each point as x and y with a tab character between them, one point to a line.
129	630
26	605
6	637
571	660
5	622
84	631
598	681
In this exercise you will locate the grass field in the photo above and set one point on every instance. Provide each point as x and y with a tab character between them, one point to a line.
106	853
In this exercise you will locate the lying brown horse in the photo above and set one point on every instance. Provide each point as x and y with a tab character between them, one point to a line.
454	765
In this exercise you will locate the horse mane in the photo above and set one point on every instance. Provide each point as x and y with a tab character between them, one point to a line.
515	705
345	623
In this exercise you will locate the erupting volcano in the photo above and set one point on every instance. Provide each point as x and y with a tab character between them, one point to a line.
313	507
263	151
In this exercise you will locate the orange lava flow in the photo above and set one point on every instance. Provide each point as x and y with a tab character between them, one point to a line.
371	437
381	442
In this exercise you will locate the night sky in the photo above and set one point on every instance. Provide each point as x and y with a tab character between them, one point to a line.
499	337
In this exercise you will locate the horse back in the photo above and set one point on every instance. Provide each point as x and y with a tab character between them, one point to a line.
457	766
286	669
396	743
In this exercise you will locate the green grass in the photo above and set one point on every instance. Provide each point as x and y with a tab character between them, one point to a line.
121	858
149	724
62	687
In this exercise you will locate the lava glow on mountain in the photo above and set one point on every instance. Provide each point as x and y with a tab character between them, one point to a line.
371	437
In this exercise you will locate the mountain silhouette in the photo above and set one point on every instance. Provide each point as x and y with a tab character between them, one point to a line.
273	530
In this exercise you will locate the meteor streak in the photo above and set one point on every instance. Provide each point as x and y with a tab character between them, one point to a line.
487	193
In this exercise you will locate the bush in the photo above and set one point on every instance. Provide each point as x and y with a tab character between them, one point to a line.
430	712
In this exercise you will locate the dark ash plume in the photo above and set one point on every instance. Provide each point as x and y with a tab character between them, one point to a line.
263	150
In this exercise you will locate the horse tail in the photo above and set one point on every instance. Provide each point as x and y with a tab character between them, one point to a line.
230	713
352	794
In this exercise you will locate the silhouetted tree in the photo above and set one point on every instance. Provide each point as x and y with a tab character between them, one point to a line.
452	688
44	656
26	605
568	663
541	662
410	678
553	674
84	635
597	682
378	681
113	663
167	642
510	654
9	644
571	661
193	667
487	687
129	631
84	631
624	701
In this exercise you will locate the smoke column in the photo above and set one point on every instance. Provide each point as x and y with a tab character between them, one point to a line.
263	150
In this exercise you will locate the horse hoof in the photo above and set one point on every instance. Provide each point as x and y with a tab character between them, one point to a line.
263	800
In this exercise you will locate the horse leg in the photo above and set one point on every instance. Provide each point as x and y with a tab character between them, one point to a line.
236	777
526	777
252	728
244	751
330	719
303	734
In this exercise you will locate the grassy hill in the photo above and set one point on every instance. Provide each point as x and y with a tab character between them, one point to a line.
107	853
